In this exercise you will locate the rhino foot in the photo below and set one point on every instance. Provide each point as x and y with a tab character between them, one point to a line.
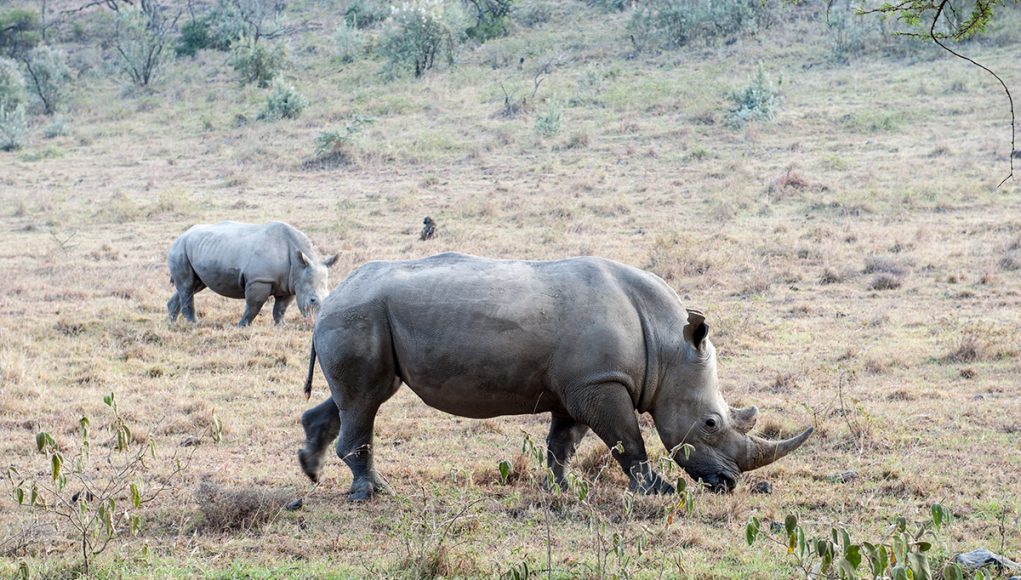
367	488
651	484
309	465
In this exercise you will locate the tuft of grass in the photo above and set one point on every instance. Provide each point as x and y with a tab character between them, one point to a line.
885	281
228	510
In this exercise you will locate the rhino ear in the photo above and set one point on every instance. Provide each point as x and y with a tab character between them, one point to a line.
329	262
696	331
305	261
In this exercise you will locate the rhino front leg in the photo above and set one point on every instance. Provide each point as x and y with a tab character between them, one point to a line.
321	424
564	436
607	408
280	304
256	294
355	449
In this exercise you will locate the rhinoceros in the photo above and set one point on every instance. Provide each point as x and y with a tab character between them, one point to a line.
588	340
249	261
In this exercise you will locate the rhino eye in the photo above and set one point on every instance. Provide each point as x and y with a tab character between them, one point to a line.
711	424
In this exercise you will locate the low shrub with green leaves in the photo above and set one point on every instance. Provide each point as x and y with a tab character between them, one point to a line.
675	23
49	78
757	101
492	18
256	62
12	83
195	35
19	31
348	43
13	126
420	34
283	102
548	122
366	13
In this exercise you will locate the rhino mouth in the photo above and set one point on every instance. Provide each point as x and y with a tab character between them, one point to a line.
720	482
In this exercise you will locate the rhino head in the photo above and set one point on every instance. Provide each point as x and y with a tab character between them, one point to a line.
689	409
311	284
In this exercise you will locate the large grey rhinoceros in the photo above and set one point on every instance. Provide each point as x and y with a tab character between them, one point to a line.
588	340
249	261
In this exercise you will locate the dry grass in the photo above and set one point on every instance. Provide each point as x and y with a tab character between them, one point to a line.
643	173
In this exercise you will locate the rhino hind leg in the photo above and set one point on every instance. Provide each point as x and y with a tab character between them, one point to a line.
321	424
280	304
607	408
174	306
564	436
355	449
186	284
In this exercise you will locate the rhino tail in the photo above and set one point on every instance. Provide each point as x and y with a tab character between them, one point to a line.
311	371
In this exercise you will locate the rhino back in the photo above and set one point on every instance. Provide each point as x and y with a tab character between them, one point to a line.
227	255
481	337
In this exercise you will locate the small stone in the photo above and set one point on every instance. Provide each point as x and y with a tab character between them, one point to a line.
190	442
982	557
763	487
844	476
295	505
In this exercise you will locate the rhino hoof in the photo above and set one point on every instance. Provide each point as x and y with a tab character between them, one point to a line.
312	471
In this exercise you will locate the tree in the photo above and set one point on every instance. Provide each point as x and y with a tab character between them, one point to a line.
19	32
143	34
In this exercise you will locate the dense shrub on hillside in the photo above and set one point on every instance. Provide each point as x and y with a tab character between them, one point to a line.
348	42
675	23
19	31
13	127
195	36
612	5
256	63
49	78
421	33
492	18
366	13
756	101
854	35
283	102
12	84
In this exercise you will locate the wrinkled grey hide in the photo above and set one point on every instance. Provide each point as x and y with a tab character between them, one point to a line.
588	340
249	261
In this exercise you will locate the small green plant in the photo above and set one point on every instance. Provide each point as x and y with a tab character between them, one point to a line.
49	78
548	122
13	127
492	19
283	102
12	83
100	498
419	34
256	63
757	101
195	36
348	43
334	144
902	554
58	127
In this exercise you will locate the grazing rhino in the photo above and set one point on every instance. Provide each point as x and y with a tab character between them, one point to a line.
250	261
588	340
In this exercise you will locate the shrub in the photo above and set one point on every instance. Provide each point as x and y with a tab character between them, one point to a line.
420	33
675	23
195	36
141	37
611	5
547	123
12	84
534	13
13	127
284	102
331	142
256	63
366	13
49	77
756	101
348	42
19	31
57	128
492	19
237	19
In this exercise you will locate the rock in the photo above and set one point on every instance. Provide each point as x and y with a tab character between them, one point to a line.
844	476
190	442
295	505
982	557
763	487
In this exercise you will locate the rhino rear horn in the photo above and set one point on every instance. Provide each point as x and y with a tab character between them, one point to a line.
744	419
761	452
696	330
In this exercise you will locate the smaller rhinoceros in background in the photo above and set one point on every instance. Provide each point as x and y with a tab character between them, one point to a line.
250	261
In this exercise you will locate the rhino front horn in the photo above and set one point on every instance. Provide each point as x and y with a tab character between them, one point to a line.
761	452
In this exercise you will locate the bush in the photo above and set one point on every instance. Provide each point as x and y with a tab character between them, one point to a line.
534	13
675	23
141	37
757	101
547	123
611	5
13	127
348	42
195	36
420	33
57	128
284	102
366	13
256	63
12	84
19	31
49	77
492	19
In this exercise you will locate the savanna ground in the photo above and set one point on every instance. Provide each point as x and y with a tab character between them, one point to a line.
860	271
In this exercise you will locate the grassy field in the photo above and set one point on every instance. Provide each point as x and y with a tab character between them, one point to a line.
859	267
